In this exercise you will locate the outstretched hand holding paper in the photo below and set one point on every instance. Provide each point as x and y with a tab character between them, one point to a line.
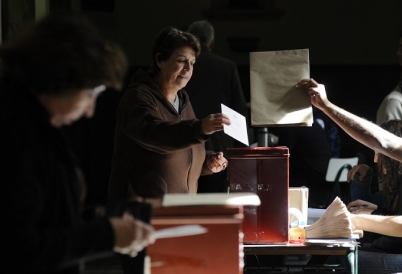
238	125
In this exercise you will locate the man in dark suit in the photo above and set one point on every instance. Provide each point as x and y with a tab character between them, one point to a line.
215	81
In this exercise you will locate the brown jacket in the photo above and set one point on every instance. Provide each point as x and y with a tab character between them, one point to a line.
156	149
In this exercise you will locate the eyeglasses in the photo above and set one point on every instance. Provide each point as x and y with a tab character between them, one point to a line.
167	36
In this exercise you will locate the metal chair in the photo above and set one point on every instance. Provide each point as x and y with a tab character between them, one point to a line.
337	172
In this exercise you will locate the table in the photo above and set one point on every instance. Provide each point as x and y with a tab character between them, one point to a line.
349	251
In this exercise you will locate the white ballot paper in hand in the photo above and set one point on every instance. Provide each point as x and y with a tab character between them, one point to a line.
238	125
180	231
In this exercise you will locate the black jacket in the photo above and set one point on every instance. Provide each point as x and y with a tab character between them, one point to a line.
41	209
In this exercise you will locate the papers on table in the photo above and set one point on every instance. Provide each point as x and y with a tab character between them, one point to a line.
184	199
238	125
331	242
314	214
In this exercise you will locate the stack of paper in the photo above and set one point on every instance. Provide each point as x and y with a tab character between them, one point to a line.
211	199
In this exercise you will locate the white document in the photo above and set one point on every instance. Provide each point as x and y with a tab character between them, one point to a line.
180	231
185	199
238	125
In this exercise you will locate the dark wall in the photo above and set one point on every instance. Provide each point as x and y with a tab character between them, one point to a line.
336	31
352	51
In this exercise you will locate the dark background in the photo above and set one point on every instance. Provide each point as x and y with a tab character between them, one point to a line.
352	46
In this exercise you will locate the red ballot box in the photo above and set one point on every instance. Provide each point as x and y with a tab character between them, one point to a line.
265	172
218	251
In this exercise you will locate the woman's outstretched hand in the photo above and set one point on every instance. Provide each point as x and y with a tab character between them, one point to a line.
214	122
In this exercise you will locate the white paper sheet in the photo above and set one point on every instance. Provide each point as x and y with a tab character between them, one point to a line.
238	125
180	231
185	199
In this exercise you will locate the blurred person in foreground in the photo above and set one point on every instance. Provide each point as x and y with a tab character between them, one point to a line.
50	76
381	141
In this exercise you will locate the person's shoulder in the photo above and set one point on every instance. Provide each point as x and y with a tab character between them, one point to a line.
220	59
141	83
394	95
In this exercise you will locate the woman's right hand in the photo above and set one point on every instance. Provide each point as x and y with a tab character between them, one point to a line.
214	122
360	170
361	207
131	235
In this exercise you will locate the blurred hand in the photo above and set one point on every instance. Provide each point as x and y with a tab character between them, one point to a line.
131	235
316	91
216	162
360	170
155	202
214	122
361	207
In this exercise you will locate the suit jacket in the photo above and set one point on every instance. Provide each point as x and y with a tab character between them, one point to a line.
215	81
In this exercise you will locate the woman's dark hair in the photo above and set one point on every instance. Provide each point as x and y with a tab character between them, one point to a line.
167	41
62	53
392	167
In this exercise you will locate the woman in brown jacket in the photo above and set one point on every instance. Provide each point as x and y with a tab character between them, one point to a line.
159	143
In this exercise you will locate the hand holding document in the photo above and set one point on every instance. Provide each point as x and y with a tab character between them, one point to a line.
238	125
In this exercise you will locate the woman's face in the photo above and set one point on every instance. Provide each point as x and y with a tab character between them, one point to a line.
66	109
177	70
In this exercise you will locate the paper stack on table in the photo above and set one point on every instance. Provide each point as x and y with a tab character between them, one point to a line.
184	199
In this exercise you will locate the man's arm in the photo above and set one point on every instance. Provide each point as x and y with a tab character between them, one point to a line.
385	225
358	128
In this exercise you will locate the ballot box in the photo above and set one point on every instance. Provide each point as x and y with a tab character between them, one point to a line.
217	251
264	171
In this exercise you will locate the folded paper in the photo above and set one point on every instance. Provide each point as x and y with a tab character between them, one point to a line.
238	125
274	99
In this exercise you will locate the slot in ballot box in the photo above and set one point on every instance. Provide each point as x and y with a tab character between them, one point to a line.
219	250
265	172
